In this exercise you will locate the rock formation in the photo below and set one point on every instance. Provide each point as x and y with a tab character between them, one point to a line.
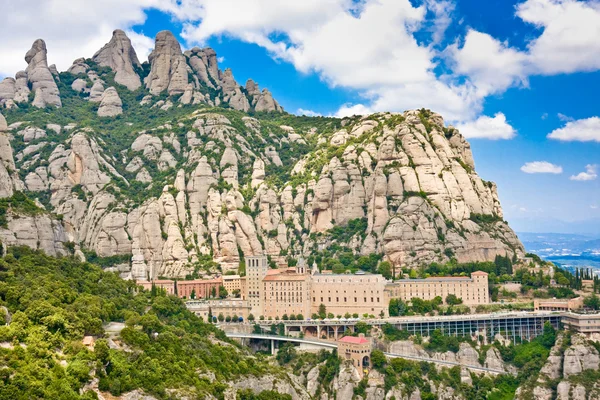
565	366
267	103
120	56
169	68
232	93
39	76
110	103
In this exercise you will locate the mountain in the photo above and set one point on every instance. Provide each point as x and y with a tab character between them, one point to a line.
148	167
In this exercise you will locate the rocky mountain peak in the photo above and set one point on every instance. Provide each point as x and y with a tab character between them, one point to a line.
168	66
252	88
39	52
40	77
120	56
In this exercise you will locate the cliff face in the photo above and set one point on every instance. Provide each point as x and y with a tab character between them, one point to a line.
570	373
166	179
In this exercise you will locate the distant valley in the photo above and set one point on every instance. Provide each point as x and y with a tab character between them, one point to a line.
569	250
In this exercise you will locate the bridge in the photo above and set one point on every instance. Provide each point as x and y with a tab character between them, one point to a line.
513	325
329	345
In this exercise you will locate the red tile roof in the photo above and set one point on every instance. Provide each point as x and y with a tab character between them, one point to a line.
354	340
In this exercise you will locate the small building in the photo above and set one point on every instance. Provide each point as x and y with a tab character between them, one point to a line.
227	307
359	293
471	290
232	283
587	284
200	288
582	323
286	292
357	350
558	304
89	342
166	284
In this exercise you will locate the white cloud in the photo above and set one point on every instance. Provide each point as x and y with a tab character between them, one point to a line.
581	130
348	110
491	65
142	44
71	28
220	59
564	118
541	167
368	47
486	127
569	41
308	113
589	175
593	207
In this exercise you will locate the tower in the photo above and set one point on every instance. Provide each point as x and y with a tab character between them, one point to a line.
301	266
256	270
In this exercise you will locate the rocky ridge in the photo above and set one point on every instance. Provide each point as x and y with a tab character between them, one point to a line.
192	77
173	179
560	377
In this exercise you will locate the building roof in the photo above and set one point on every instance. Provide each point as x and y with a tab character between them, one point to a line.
479	273
87	340
354	340
196	281
285	277
230	277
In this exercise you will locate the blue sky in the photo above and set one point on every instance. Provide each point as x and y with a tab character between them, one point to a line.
507	73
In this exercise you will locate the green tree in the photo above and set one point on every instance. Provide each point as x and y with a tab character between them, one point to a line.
592	301
251	317
452	300
385	269
322	311
378	360
286	353
396	308
362	327
222	292
193	294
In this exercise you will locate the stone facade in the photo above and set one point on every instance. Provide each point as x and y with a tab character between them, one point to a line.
472	291
227	307
165	284
202	289
349	293
357	350
232	283
558	304
287	292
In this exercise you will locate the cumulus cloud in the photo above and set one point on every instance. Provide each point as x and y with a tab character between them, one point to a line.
491	65
71	29
142	44
308	113
486	127
541	167
582	130
368	45
569	41
589	174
